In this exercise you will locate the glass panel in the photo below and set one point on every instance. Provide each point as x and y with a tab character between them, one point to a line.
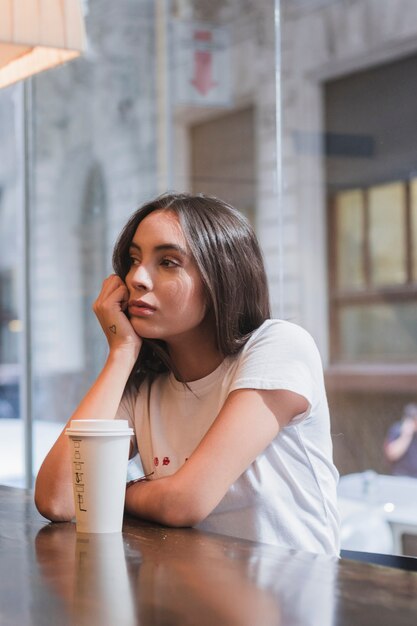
94	164
349	239
190	110
387	234
349	122
173	75
379	332
11	430
413	208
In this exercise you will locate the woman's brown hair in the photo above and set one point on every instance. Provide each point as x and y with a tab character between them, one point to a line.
227	254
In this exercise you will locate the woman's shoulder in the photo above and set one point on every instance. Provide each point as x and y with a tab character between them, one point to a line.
281	332
279	341
279	355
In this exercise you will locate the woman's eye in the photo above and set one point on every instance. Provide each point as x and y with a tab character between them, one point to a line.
134	261
169	263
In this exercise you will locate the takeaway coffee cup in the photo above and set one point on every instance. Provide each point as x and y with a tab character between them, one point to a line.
99	457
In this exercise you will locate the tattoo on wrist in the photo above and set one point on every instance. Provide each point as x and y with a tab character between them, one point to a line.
113	329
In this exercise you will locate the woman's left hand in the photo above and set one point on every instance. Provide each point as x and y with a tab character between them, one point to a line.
109	308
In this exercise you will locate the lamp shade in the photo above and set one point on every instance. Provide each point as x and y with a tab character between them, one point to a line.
38	34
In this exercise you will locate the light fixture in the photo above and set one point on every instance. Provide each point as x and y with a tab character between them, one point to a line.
38	34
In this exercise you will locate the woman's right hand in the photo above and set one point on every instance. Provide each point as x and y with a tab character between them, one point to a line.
110	308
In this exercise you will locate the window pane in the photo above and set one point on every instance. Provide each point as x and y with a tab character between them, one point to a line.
413	200
190	111
11	424
378	332
349	239
387	234
349	123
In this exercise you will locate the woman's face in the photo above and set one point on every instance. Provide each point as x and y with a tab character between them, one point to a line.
166	295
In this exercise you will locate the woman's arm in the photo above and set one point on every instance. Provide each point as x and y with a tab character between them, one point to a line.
249	420
53	488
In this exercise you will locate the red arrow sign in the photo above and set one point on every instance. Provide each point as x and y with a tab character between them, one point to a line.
203	66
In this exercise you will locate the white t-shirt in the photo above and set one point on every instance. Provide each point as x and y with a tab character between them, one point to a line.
287	496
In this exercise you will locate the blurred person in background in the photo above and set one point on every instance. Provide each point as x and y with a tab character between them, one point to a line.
400	444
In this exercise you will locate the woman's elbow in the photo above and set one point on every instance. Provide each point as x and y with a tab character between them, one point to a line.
54	511
182	510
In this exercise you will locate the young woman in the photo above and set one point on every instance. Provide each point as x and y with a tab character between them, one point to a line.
228	406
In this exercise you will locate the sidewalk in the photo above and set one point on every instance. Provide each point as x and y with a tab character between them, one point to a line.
12	448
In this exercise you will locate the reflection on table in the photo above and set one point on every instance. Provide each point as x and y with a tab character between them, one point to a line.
206	582
153	575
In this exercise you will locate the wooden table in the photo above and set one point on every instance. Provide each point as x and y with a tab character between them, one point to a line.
151	575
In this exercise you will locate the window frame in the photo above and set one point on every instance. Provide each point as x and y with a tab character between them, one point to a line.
383	375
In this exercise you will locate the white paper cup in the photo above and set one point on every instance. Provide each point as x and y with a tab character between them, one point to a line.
99	457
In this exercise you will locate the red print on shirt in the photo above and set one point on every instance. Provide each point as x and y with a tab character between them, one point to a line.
156	461
166	460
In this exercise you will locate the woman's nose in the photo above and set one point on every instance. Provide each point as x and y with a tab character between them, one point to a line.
141	278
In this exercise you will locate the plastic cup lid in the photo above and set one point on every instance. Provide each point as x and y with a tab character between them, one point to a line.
100	426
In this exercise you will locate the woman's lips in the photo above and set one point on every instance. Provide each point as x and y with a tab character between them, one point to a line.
140	309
